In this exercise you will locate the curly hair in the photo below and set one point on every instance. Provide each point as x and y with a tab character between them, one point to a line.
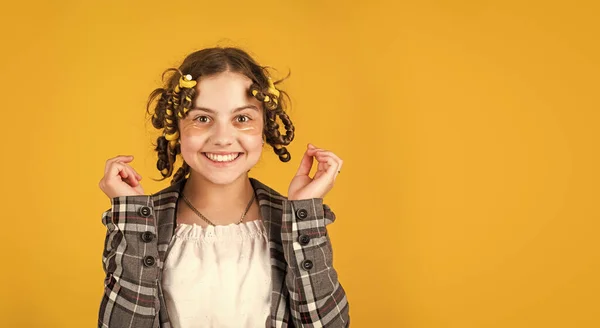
174	99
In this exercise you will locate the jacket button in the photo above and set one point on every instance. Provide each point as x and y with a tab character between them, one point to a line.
147	236
149	261
302	214
303	240
307	265
145	211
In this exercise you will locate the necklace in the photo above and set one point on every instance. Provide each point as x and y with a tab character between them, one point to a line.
187	201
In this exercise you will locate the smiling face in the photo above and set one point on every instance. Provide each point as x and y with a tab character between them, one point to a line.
221	136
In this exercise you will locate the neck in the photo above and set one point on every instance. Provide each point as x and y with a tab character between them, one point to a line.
205	194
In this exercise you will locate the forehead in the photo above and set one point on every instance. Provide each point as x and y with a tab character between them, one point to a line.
223	91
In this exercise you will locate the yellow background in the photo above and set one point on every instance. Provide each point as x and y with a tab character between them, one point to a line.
469	131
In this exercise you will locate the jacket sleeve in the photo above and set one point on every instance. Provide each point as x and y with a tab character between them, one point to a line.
316	297
130	262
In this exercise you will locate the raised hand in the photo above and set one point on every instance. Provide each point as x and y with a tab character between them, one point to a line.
305	187
120	179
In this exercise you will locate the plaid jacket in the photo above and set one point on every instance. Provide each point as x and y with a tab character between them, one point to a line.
305	293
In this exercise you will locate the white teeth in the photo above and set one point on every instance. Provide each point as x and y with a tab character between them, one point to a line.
222	158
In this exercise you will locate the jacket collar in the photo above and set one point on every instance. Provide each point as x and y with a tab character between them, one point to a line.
270	203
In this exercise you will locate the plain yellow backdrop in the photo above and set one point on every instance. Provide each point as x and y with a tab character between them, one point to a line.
469	132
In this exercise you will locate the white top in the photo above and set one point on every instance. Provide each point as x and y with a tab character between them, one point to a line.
219	276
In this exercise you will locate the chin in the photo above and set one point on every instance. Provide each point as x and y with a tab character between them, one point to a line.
223	179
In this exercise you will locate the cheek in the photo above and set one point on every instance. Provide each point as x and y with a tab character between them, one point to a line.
191	129
254	126
192	135
251	135
190	147
192	138
252	129
251	140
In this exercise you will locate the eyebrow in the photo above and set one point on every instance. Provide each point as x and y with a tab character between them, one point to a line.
212	111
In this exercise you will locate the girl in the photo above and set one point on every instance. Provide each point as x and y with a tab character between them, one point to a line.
217	248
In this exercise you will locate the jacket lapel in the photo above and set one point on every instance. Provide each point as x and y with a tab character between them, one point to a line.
165	208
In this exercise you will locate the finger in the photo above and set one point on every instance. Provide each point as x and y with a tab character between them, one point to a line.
320	167
322	164
329	167
130	169
114	170
323	157
315	149
120	158
330	164
120	170
311	151
312	146
132	177
331	154
305	164
137	175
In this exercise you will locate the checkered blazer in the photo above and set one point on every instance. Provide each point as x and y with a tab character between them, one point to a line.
305	293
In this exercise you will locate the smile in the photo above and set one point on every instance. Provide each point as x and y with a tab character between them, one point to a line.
222	158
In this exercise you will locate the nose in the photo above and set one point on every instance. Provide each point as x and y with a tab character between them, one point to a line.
223	134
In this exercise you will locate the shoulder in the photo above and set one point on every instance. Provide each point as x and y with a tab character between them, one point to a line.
168	194
264	192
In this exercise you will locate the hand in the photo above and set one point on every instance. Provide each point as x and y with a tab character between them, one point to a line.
120	179
305	187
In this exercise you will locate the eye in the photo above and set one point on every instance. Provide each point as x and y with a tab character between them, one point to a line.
243	118
202	119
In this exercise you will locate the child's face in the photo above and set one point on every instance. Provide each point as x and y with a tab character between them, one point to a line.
221	137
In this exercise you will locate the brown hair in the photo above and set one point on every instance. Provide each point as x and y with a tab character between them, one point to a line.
171	102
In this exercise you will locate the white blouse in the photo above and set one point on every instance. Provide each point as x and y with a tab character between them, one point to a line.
219	276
